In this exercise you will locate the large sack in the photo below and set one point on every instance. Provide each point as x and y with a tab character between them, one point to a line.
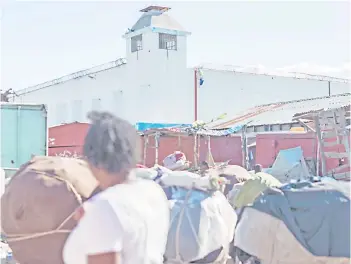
38	205
251	189
234	174
201	229
300	223
175	161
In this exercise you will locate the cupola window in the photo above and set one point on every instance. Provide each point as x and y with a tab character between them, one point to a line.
137	43
167	41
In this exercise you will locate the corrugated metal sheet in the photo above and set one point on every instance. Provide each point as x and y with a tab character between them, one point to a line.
68	140
67	135
156	18
103	67
268	146
222	148
309	114
74	152
256	70
283	112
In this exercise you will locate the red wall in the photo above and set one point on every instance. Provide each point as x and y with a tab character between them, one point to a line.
268	146
70	138
222	149
67	138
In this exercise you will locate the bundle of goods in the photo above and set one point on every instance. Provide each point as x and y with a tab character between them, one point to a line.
245	193
176	161
202	221
234	174
303	222
38	207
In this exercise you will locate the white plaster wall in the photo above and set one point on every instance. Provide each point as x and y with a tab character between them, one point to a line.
151	87
231	93
72	100
160	85
157	87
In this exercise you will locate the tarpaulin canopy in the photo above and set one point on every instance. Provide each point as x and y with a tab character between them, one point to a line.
288	165
193	130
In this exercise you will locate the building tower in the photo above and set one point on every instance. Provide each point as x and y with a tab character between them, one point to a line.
156	60
156	36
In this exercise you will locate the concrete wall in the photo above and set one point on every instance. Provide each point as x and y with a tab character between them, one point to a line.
156	86
231	92
152	94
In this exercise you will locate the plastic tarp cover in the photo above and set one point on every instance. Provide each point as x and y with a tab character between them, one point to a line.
317	214
145	126
288	165
201	223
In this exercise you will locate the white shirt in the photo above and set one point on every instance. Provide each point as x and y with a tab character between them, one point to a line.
130	218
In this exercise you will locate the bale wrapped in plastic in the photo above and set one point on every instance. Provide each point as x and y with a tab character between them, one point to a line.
176	161
202	222
245	193
305	223
234	174
38	207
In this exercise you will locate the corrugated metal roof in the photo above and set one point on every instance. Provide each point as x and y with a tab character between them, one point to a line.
260	70
157	18
283	112
103	67
311	113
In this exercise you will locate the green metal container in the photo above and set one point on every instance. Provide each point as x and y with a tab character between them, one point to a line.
23	133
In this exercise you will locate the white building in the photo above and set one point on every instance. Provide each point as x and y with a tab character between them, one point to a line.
153	83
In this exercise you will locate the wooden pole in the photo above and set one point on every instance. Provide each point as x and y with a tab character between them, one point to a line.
195	94
318	157
157	137
320	143
244	147
208	149
146	144
195	151
198	147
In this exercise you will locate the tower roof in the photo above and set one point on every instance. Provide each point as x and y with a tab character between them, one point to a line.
155	16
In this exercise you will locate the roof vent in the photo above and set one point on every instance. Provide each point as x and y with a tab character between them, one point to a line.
161	9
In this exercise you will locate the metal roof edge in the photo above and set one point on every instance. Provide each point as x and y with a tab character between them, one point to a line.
71	123
254	111
79	74
296	75
22	104
305	100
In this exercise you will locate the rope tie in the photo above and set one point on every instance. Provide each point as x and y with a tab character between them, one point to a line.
58	230
179	259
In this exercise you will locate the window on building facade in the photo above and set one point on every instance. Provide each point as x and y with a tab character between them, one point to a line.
137	43
167	41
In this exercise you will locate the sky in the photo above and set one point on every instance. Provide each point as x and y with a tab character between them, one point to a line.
41	41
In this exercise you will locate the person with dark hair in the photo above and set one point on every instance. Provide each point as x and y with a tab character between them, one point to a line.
128	221
204	167
258	168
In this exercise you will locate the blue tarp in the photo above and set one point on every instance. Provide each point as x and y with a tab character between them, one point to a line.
145	126
288	165
318	214
187	128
